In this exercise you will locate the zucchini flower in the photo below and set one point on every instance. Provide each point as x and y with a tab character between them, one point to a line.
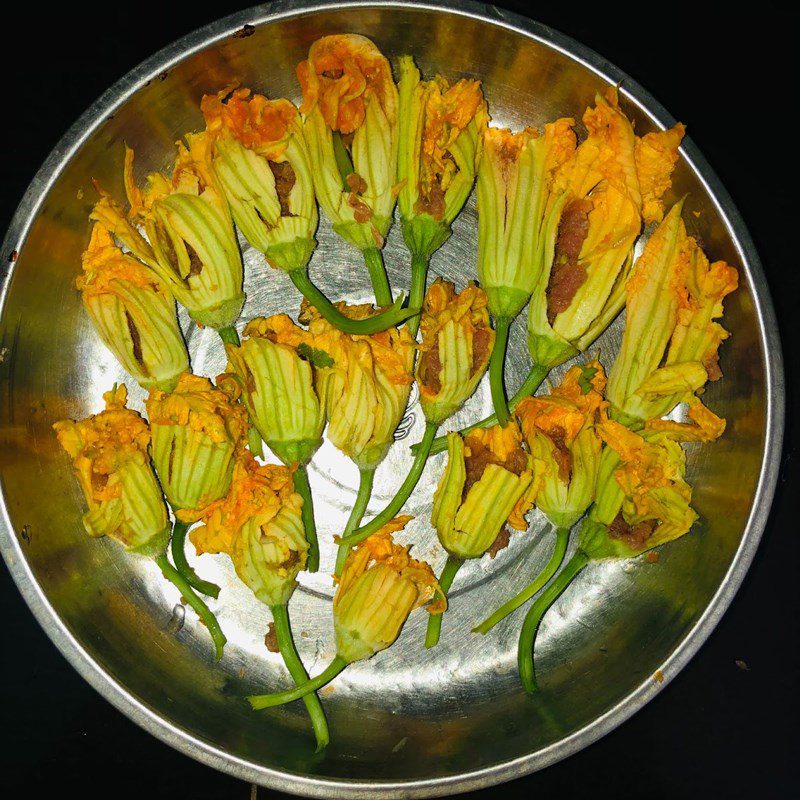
259	524
489	481
132	312
613	183
560	431
379	587
273	373
597	202
671	340
198	432
111	460
365	382
456	342
350	125
192	243
514	181
643	501
441	136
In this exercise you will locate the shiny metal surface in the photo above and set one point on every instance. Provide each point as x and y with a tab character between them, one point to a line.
408	722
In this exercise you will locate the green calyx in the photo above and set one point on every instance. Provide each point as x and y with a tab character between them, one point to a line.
296	452
290	255
424	235
220	315
505	301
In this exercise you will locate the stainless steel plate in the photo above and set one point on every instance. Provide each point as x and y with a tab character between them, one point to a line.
408	722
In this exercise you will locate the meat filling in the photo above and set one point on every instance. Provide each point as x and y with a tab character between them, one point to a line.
480	348
635	536
480	456
431	368
568	275
136	339
561	453
285	180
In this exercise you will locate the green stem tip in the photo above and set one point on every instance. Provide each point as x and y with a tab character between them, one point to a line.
365	482
534	616
402	495
178	547
283	633
229	335
200	608
537	374
389	318
496	368
259	701
562	538
451	567
303	488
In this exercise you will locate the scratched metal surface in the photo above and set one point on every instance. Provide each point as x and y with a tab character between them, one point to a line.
408	722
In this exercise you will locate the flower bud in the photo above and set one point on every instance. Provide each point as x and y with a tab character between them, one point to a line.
441	135
198	431
110	459
560	431
515	176
278	387
643	500
364	381
261	161
259	525
350	127
132	312
193	244
379	587
671	340
489	481
457	341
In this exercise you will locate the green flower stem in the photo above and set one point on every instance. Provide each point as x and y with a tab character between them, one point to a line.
534	380
535	614
259	701
283	633
496	364
373	258
389	318
403	493
367	476
562	538
229	336
302	488
451	567
201	609
419	279
179	530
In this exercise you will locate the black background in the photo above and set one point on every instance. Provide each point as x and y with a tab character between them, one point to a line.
727	725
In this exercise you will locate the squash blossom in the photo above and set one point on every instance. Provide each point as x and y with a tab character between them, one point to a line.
456	342
379	587
260	159
489	481
441	135
192	243
515	177
272	372
111	460
561	433
198	432
350	124
643	501
132	312
671	340
365	382
259	524
601	195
